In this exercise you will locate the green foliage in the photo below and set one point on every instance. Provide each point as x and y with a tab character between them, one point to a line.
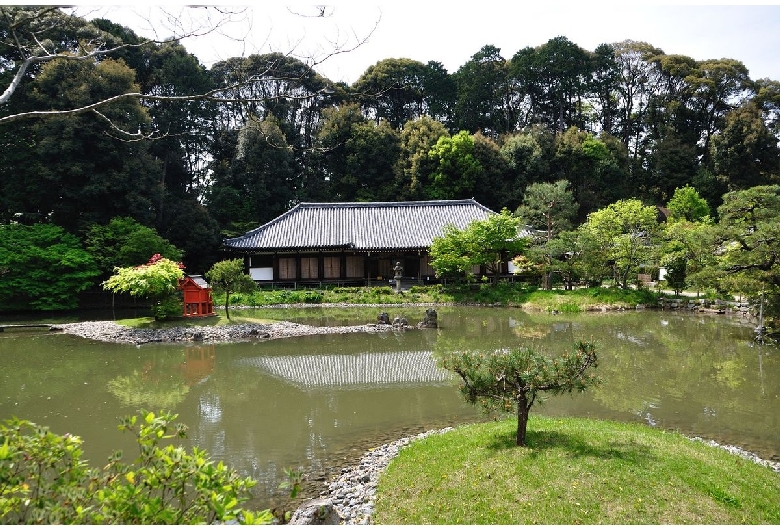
457	169
392	88
359	155
158	277
548	206
595	167
528	154
414	165
482	83
84	172
675	277
258	182
158	280
43	480
514	294
490	243
168	306
124	242
748	236
620	234
616	295
227	277
42	267
745	150
507	380
449	257
687	249
686	203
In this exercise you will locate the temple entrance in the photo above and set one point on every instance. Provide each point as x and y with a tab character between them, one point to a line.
411	267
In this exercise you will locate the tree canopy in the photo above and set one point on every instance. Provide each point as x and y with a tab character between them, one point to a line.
98	123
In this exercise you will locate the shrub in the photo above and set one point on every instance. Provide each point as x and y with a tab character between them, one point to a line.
311	297
169	306
158	280
43	480
42	267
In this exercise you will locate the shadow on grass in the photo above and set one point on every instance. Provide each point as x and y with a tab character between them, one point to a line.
573	445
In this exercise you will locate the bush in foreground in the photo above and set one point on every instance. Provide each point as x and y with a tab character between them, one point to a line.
573	471
44	481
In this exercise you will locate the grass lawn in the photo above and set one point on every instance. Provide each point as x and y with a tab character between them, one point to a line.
218	320
574	471
508	294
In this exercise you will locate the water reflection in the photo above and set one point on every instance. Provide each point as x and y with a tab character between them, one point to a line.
317	402
367	369
163	381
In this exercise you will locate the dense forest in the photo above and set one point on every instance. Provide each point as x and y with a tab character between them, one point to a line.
200	153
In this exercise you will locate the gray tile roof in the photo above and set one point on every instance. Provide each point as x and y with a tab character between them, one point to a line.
361	225
199	280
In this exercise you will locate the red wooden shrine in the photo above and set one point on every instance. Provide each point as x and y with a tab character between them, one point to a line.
197	297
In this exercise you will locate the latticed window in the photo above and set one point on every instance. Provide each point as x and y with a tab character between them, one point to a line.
331	266
309	269
355	267
286	268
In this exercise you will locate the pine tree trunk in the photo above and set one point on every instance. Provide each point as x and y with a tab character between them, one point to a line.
522	420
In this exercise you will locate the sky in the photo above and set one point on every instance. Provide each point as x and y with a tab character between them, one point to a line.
451	34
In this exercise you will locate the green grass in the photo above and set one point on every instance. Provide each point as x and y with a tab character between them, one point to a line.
335	295
574	471
505	294
219	320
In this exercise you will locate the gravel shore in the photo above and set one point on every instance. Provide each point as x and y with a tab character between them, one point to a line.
353	493
108	331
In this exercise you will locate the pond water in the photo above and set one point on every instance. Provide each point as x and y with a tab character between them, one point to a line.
318	403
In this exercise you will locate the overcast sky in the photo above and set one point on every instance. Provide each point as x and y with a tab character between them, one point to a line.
450	33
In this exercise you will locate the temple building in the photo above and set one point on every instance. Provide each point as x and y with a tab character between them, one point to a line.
352	243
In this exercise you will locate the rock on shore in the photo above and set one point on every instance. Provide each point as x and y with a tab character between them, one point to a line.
108	331
353	492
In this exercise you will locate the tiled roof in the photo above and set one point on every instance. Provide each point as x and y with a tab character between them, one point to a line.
361	225
199	280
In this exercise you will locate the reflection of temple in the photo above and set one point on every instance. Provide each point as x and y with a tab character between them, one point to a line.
346	370
198	364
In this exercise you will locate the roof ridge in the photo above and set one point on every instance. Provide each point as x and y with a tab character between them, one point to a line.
356	204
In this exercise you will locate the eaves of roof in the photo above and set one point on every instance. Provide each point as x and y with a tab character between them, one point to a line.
361	226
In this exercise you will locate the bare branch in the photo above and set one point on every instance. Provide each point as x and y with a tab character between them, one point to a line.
28	41
320	11
41	53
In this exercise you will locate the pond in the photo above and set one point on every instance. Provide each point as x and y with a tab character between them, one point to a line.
318	403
